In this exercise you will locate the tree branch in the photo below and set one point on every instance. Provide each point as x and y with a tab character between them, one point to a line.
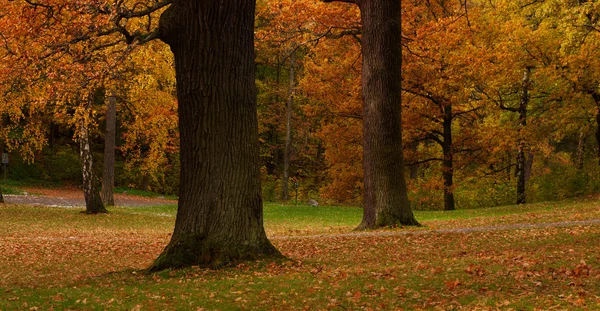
346	1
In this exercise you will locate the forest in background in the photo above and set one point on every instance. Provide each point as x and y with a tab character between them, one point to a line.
501	101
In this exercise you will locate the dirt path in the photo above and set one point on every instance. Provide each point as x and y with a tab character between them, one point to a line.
73	197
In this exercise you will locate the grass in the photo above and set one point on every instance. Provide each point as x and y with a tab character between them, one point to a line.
52	258
142	193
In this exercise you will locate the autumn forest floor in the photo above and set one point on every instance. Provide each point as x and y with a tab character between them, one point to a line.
543	256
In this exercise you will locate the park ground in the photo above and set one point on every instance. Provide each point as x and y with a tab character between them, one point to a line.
543	256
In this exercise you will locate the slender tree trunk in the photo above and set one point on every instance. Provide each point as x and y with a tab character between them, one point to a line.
93	202
596	98
145	181
521	158
385	198
414	169
285	196
108	172
219	218
529	166
447	163
581	149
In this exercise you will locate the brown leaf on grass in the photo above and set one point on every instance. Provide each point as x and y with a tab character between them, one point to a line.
475	270
451	285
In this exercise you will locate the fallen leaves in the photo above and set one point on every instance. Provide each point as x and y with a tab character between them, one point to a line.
539	268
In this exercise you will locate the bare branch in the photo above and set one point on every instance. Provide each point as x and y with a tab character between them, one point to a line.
346	1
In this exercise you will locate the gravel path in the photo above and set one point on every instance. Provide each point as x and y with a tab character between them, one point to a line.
72	197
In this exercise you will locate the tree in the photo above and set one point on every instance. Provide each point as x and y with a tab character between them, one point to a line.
93	201
219	218
288	129
108	171
386	198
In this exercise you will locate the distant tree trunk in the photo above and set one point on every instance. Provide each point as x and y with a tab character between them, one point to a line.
145	181
93	202
529	166
108	172
285	196
219	218
448	161
1	196
385	198
521	158
581	148
414	168
596	98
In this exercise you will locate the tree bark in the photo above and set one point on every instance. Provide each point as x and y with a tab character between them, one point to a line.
414	168
596	98
93	202
285	196
521	157
581	148
448	161
108	171
145	181
219	217
385	199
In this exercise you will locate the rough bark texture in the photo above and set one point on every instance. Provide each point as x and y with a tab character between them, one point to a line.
219	218
385	199
521	157
447	163
108	171
285	195
93	202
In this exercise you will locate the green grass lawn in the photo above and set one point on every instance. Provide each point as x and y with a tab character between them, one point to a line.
52	258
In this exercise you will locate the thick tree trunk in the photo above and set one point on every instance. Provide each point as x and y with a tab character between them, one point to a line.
93	202
521	158
285	196
385	199
447	163
219	218
108	172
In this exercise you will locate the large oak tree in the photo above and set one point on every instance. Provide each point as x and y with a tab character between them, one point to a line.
385	199
219	219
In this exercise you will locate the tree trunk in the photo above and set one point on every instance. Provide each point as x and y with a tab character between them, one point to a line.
581	148
521	158
447	163
93	202
145	181
285	196
596	98
1	196
108	172
385	199
219	217
414	169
